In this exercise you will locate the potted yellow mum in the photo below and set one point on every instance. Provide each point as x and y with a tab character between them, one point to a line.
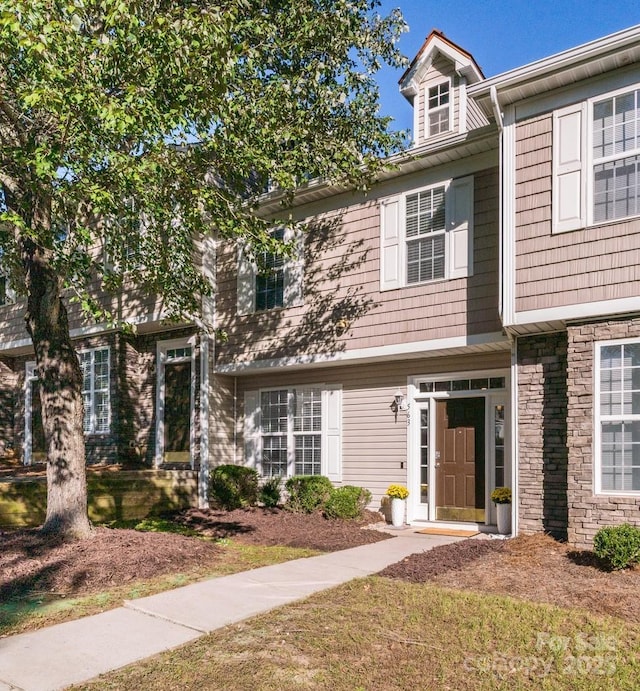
501	497
397	494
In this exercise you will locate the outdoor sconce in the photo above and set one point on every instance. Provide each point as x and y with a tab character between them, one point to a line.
399	402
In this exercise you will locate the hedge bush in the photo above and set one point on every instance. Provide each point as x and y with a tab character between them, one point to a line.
270	492
307	492
233	487
618	545
347	502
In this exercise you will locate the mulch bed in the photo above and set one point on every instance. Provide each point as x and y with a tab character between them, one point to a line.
277	527
425	566
31	563
530	567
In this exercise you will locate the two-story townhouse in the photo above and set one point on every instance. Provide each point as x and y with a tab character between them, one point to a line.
376	355
472	321
143	406
570	238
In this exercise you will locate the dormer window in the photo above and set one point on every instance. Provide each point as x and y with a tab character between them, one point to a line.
438	109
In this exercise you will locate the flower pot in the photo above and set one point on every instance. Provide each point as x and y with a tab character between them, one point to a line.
397	512
503	512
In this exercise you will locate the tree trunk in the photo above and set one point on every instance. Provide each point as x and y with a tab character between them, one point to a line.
60	381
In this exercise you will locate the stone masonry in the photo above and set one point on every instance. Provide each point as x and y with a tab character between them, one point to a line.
588	512
542	433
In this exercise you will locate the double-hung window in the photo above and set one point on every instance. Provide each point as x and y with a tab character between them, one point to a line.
294	431
427	234
596	161
618	417
95	390
438	108
271	280
616	156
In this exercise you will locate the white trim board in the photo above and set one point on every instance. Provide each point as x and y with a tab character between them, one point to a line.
487	342
602	309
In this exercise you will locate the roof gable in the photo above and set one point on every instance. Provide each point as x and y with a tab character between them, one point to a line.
436	44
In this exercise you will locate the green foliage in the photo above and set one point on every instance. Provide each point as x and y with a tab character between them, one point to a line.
618	545
347	502
307	492
501	495
270	492
97	123
233	487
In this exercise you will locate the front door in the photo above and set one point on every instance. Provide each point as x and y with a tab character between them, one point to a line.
177	412
175	403
460	459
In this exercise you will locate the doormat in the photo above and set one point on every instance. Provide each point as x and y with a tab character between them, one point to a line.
451	532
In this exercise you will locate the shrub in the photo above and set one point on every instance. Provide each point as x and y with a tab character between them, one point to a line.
618	545
347	502
233	487
270	492
307	492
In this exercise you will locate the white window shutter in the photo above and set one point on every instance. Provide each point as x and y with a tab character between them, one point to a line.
459	207
332	433
251	430
390	261
246	283
569	168
294	270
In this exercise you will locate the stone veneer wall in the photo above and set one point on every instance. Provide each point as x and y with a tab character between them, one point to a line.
542	433
589	512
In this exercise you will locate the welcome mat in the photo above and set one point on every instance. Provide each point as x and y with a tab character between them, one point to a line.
449	532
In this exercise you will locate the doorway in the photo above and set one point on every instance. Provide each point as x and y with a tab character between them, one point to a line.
460	460
175	403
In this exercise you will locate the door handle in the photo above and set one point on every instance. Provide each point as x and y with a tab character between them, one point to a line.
437	465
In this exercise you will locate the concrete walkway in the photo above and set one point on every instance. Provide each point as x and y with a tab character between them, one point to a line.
77	651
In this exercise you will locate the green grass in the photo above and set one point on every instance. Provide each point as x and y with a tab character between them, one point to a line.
376	633
32	612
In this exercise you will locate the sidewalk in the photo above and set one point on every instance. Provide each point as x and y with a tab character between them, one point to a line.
77	651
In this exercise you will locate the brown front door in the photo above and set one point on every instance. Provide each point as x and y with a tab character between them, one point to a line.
177	412
460	445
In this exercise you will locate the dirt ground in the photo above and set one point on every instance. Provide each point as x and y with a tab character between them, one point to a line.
30	563
533	567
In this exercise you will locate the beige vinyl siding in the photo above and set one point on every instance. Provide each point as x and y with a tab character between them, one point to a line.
222	406
342	280
475	116
582	266
374	441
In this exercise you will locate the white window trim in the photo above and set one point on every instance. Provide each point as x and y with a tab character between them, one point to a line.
9	292
590	158
92	428
161	359
29	378
427	110
324	445
584	167
293	270
401	200
597	420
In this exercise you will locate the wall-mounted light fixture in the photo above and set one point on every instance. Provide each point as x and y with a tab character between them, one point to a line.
399	402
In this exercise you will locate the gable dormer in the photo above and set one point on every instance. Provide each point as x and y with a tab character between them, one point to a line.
436	86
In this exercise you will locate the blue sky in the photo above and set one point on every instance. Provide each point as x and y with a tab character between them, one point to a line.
500	34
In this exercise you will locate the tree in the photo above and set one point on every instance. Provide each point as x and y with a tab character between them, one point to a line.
173	114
